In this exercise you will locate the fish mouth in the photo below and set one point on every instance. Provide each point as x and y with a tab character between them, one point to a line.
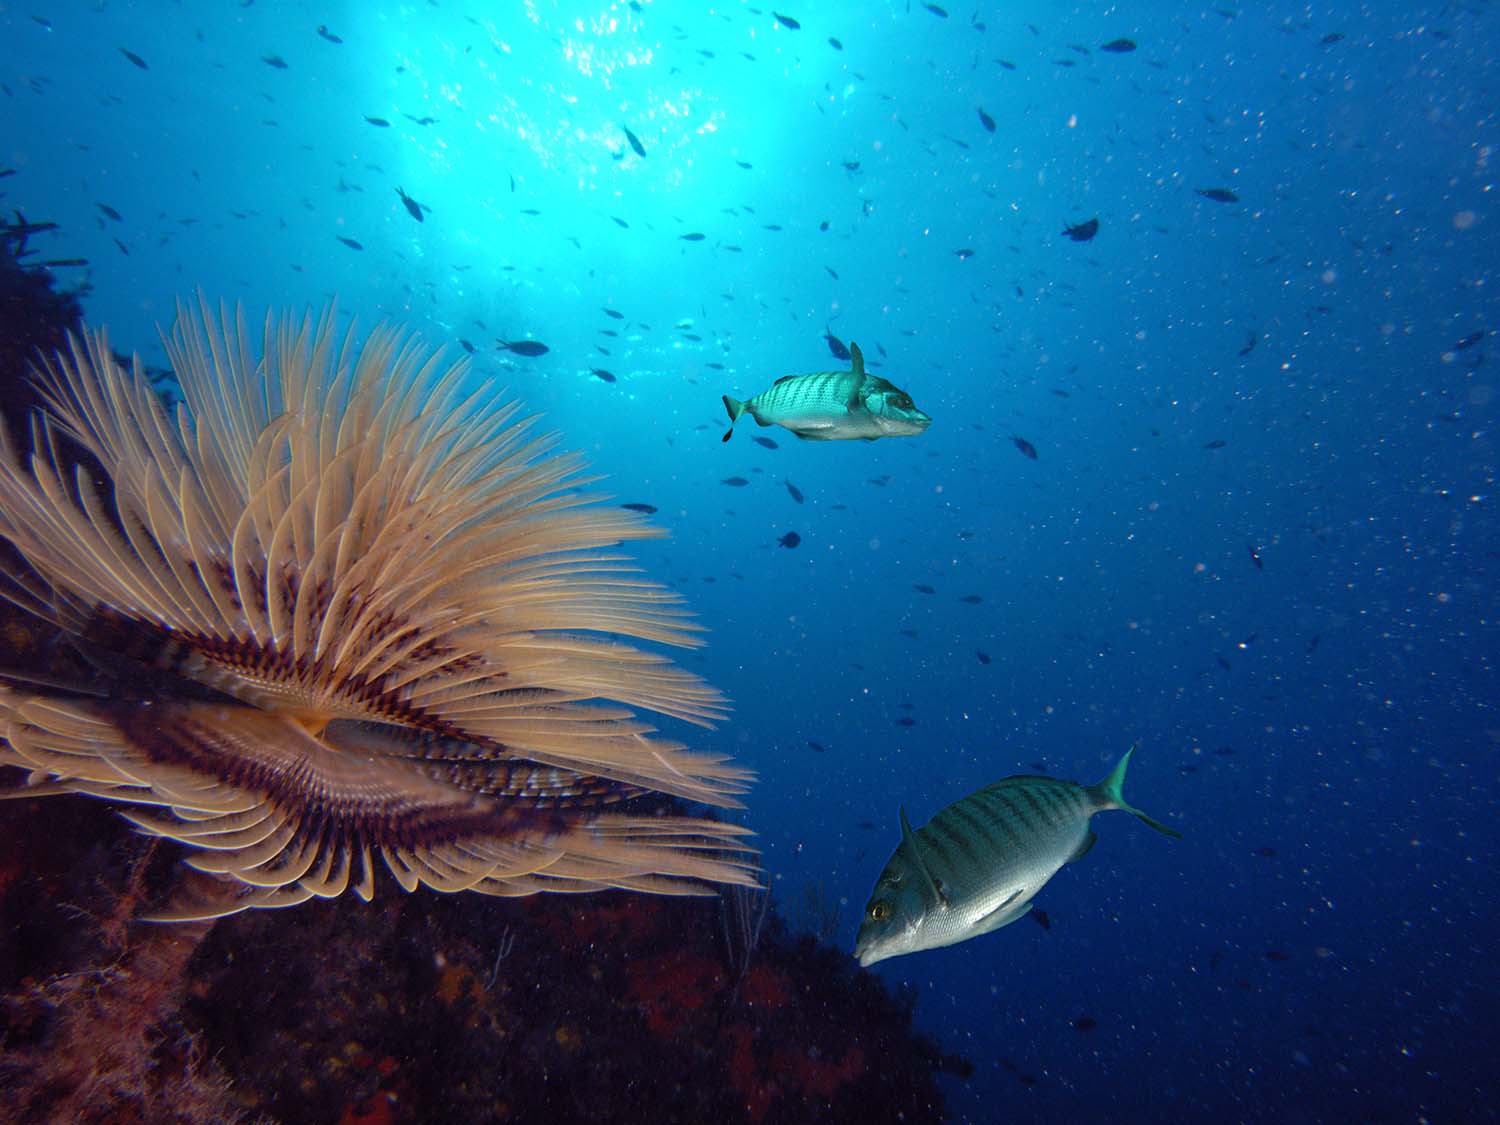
913	423
916	423
867	956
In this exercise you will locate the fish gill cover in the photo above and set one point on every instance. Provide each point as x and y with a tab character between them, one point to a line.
1216	478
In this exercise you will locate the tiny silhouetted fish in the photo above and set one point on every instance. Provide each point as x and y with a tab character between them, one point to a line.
1085	1023
963	255
614	314
790	539
135	58
923	588
1224	664
1331	38
820	748
1312	645
413	208
1218	194
1217	443
378	122
635	142
1265	852
531	348
986	120
349	242
1026	448
984	657
638	507
1119	46
1082	232
766	442
906	721
328	35
787	22
941	13
735	482
1255	556
693	237
1224	751
601	373
275	61
1041	919
110	211
972	599
1251	340
1277	955
793	491
836	346
1462	346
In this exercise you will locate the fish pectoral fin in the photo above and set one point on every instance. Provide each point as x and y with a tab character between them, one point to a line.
1083	848
1003	915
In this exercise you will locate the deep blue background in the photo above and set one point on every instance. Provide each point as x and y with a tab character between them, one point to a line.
1353	732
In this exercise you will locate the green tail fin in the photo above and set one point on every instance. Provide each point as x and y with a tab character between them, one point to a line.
735	408
1112	791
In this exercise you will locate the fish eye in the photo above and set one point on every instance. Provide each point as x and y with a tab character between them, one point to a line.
902	401
880	911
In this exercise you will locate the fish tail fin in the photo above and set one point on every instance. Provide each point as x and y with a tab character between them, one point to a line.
735	408
1111	791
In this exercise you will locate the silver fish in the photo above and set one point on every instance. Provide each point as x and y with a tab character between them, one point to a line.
976	865
833	405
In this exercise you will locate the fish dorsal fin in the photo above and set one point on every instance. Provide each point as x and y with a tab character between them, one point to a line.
910	839
857	384
783	379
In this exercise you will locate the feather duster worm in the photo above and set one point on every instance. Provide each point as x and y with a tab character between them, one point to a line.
371	622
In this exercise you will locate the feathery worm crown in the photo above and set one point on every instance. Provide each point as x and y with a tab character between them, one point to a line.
412	626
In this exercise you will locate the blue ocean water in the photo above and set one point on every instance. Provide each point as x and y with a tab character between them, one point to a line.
1258	537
